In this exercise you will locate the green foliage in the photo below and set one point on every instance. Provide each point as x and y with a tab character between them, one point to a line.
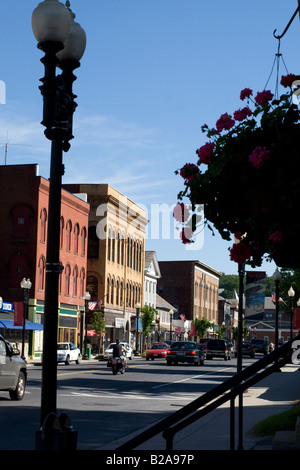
147	317
98	323
201	327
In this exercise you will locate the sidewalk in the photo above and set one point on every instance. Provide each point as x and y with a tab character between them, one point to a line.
271	396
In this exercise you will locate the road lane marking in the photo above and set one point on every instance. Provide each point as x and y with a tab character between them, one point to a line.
192	377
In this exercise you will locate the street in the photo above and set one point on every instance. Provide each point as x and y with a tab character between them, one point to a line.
104	408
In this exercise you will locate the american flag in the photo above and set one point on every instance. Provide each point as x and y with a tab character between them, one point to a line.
92	305
274	297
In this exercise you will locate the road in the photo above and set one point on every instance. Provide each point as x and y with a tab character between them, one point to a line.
103	407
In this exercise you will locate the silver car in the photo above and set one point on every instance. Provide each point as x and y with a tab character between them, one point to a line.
13	371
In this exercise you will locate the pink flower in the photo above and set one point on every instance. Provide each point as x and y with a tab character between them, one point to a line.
246	93
186	235
205	152
263	97
258	156
240	252
287	80
180	212
189	171
224	123
276	237
242	114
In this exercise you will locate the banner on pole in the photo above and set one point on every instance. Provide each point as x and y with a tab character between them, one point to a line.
255	294
18	313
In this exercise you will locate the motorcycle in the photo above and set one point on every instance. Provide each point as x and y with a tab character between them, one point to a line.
117	365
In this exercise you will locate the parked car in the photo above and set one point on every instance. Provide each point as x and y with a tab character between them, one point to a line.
13	371
203	343
260	346
67	352
109	350
185	351
218	348
248	349
157	350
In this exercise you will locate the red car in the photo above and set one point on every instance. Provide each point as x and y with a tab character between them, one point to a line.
157	350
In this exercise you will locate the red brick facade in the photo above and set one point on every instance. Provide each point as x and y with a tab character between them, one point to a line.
23	239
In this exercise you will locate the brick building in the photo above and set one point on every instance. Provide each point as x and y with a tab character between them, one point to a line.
23	238
116	256
191	287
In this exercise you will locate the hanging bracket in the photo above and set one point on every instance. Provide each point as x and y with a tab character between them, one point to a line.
288	25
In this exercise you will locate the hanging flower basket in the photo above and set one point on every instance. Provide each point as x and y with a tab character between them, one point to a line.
247	175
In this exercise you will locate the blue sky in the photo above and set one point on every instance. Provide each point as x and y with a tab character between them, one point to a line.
152	74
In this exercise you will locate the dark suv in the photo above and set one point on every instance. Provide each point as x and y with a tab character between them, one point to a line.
13	371
218	348
260	346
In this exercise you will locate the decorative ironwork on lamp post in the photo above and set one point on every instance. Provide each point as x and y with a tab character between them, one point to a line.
63	42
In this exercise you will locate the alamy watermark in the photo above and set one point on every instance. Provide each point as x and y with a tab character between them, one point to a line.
296	352
159	222
2	92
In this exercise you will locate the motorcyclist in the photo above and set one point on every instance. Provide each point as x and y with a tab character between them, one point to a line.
120	351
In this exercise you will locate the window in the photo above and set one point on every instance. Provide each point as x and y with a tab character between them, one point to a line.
62	225
68	234
41	273
67	279
83	241
92	287
18	268
75	281
81	283
76	238
21	222
43	219
93	243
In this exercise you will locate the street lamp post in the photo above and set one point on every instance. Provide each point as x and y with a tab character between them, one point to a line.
291	294
137	346
87	298
171	313
26	286
277	278
55	30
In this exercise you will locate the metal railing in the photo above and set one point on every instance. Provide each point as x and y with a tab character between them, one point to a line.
226	391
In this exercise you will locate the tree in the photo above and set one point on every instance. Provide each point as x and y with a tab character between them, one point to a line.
98	324
147	317
201	327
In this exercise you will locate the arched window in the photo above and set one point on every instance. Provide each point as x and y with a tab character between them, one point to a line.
76	238
18	268
68	234
75	281
122	250
43	221
109	245
83	241
108	289
113	243
92	287
41	273
118	248
62	226
112	291
82	283
93	242
67	279
117	292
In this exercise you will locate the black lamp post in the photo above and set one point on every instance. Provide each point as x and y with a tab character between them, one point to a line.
87	298
291	294
137	346
26	286
277	278
171	313
63	42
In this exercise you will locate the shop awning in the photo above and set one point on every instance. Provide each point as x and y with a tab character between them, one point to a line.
29	325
